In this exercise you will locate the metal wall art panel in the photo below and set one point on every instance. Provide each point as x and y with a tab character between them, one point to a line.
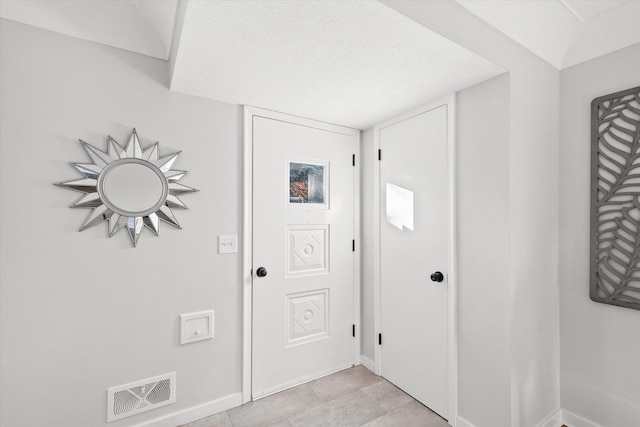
615	199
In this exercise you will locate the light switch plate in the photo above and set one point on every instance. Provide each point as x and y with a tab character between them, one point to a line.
228	244
196	326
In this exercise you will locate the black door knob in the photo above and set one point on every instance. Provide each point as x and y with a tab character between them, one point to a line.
261	272
437	277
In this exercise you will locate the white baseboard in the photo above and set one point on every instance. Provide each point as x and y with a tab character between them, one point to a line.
367	363
572	420
586	403
461	422
555	419
195	412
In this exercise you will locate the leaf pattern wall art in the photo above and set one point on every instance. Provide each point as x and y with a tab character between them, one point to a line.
615	199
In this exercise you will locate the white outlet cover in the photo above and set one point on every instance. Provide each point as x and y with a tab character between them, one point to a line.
196	326
228	244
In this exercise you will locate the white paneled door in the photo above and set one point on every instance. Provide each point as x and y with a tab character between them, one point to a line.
414	256
303	253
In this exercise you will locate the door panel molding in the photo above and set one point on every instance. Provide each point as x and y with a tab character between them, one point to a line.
450	102
247	231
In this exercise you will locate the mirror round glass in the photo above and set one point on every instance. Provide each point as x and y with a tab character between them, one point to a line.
132	187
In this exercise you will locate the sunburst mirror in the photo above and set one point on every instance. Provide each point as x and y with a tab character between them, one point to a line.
129	187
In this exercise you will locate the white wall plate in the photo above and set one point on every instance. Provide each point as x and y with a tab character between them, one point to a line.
196	326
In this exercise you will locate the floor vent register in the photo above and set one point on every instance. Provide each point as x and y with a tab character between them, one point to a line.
140	396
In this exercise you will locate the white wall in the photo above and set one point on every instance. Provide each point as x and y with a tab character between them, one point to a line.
533	221
482	119
81	312
600	344
534	240
367	343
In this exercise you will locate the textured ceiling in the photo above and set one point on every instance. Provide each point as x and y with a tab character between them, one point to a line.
140	26
352	63
563	32
585	10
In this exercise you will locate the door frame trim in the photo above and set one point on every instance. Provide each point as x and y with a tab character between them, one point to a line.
452	298
247	231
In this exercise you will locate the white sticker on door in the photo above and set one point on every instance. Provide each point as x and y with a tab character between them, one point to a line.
399	207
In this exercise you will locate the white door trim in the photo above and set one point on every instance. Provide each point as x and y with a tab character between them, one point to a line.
450	101
247	231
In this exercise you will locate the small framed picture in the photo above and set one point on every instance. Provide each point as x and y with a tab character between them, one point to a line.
308	184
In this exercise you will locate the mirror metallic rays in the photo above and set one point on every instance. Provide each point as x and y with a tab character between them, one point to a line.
129	187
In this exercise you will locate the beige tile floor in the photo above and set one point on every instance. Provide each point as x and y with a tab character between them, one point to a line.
354	397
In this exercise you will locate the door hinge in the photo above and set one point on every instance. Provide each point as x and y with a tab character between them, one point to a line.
354	160
353	245
379	154
379	339
353	330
